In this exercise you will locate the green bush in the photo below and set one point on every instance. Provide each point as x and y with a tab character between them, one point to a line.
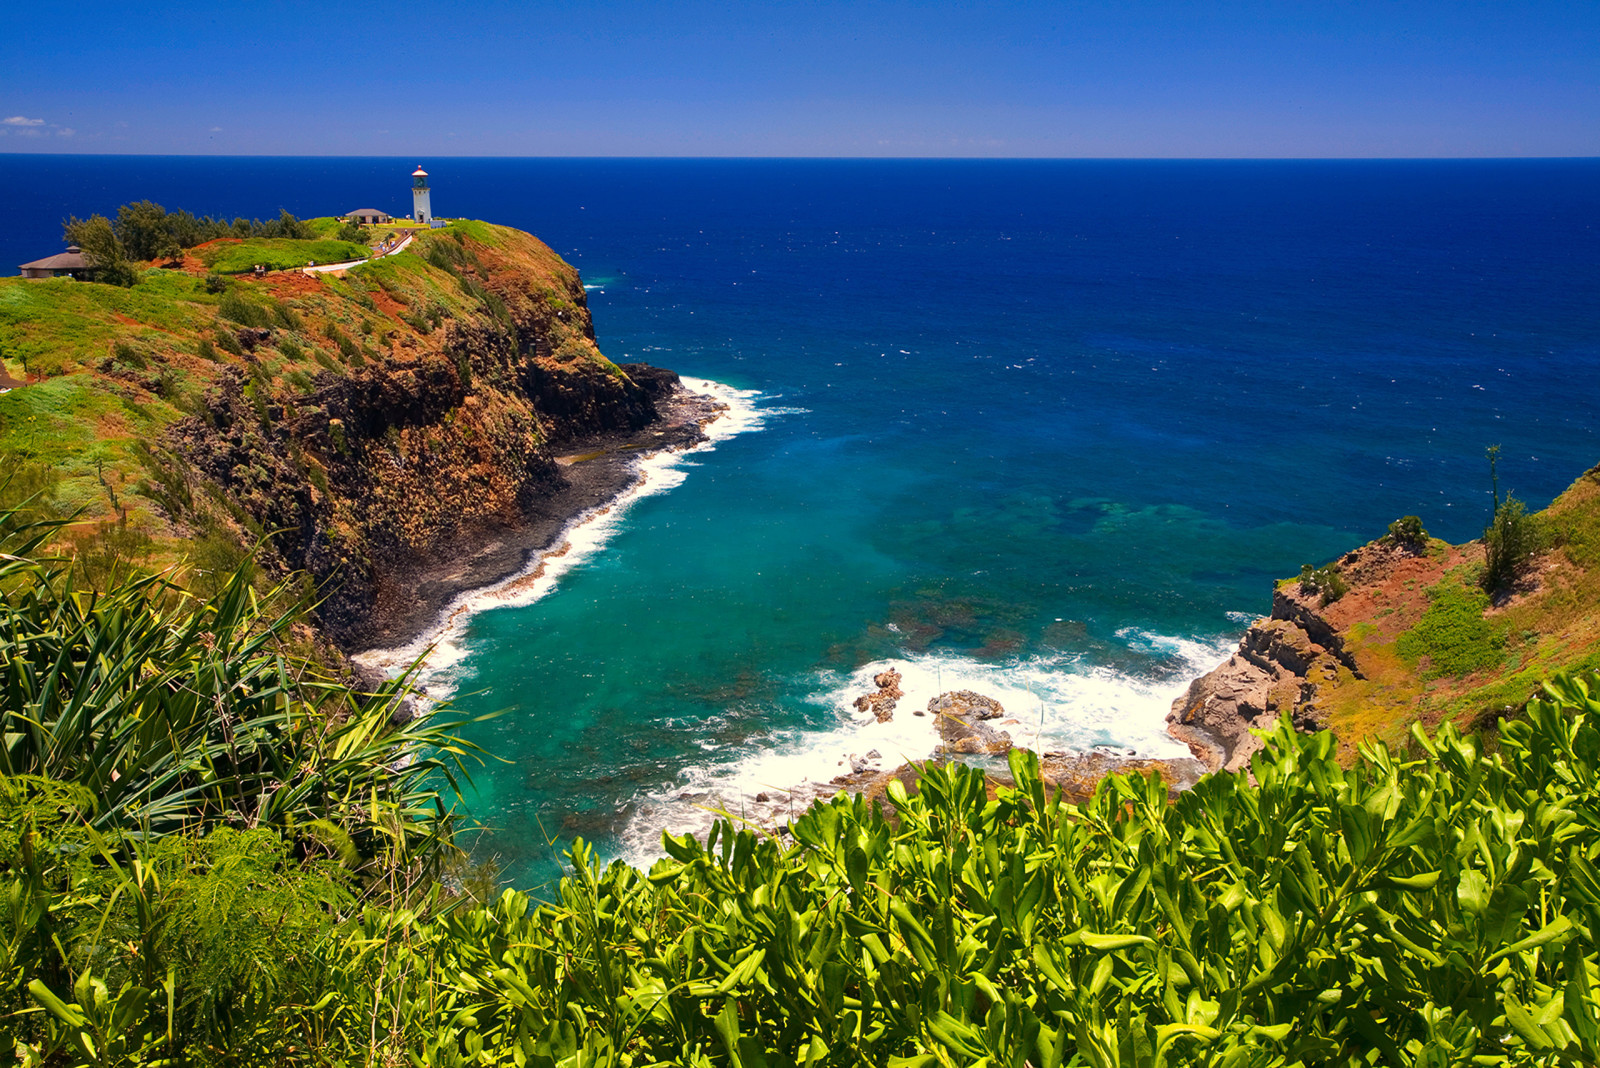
1437	909
1453	633
286	317
1325	580
1509	544
229	342
1407	531
246	313
180	712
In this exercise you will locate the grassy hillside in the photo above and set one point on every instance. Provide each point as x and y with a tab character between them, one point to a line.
230	256
1435	648
111	373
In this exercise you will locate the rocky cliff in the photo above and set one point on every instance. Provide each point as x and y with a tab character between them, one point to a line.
1398	632
399	432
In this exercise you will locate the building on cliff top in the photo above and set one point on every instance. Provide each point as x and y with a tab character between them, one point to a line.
68	264
368	216
421	203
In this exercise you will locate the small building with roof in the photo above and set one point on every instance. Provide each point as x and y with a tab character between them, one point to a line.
68	264
368	216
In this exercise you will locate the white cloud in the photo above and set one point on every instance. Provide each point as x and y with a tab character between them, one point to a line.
65	131
216	129
21	120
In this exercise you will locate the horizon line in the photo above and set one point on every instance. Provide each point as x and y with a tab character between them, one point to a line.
816	158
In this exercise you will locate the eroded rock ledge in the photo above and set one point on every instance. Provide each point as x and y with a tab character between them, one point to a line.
1283	664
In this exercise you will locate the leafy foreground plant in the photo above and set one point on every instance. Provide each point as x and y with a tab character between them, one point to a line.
178	713
1440	909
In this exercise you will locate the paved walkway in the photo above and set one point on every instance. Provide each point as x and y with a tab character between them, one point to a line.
321	267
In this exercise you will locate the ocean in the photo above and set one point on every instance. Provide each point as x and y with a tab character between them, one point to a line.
1048	430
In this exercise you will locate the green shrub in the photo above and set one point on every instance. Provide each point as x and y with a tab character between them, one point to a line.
1422	911
229	342
337	437
1509	544
354	232
207	350
286	317
124	353
216	283
1325	580
1407	531
246	313
181	712
291	348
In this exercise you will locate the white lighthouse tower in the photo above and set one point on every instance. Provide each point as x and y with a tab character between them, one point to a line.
422	206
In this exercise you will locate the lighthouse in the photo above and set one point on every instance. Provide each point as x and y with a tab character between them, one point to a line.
422	207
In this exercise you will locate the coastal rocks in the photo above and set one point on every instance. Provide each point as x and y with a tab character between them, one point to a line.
1072	775
1281	663
960	715
1077	775
881	704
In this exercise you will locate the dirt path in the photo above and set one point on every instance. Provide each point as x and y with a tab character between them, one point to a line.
322	267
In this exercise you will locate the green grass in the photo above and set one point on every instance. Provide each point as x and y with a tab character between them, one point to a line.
86	428
276	253
326	226
57	325
1453	633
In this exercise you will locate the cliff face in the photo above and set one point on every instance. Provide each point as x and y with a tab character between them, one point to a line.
1411	638
396	432
442	446
1283	664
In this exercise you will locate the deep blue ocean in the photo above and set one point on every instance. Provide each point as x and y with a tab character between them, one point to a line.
1043	429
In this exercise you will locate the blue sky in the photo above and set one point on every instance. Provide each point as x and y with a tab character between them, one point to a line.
608	77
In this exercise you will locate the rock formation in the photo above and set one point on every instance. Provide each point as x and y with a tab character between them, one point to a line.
1282	665
960	715
881	704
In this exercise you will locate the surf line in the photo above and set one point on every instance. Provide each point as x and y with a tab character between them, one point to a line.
439	647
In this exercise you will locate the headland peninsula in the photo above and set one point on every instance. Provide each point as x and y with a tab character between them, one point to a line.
410	426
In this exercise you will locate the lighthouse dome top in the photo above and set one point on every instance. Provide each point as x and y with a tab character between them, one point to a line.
419	173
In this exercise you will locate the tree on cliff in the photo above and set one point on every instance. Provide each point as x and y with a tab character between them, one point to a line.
101	248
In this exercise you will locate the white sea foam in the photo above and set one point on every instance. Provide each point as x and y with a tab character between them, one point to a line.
1051	704
441	645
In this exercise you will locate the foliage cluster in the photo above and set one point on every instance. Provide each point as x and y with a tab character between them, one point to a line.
1407	531
1431	909
1510	543
1325	580
147	231
180	712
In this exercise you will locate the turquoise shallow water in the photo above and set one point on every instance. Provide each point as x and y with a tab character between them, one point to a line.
1044	429
1050	435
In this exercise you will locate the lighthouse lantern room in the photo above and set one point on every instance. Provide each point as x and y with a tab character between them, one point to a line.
422	207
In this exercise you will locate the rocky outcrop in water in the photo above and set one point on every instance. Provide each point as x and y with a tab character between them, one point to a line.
960	717
881	703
